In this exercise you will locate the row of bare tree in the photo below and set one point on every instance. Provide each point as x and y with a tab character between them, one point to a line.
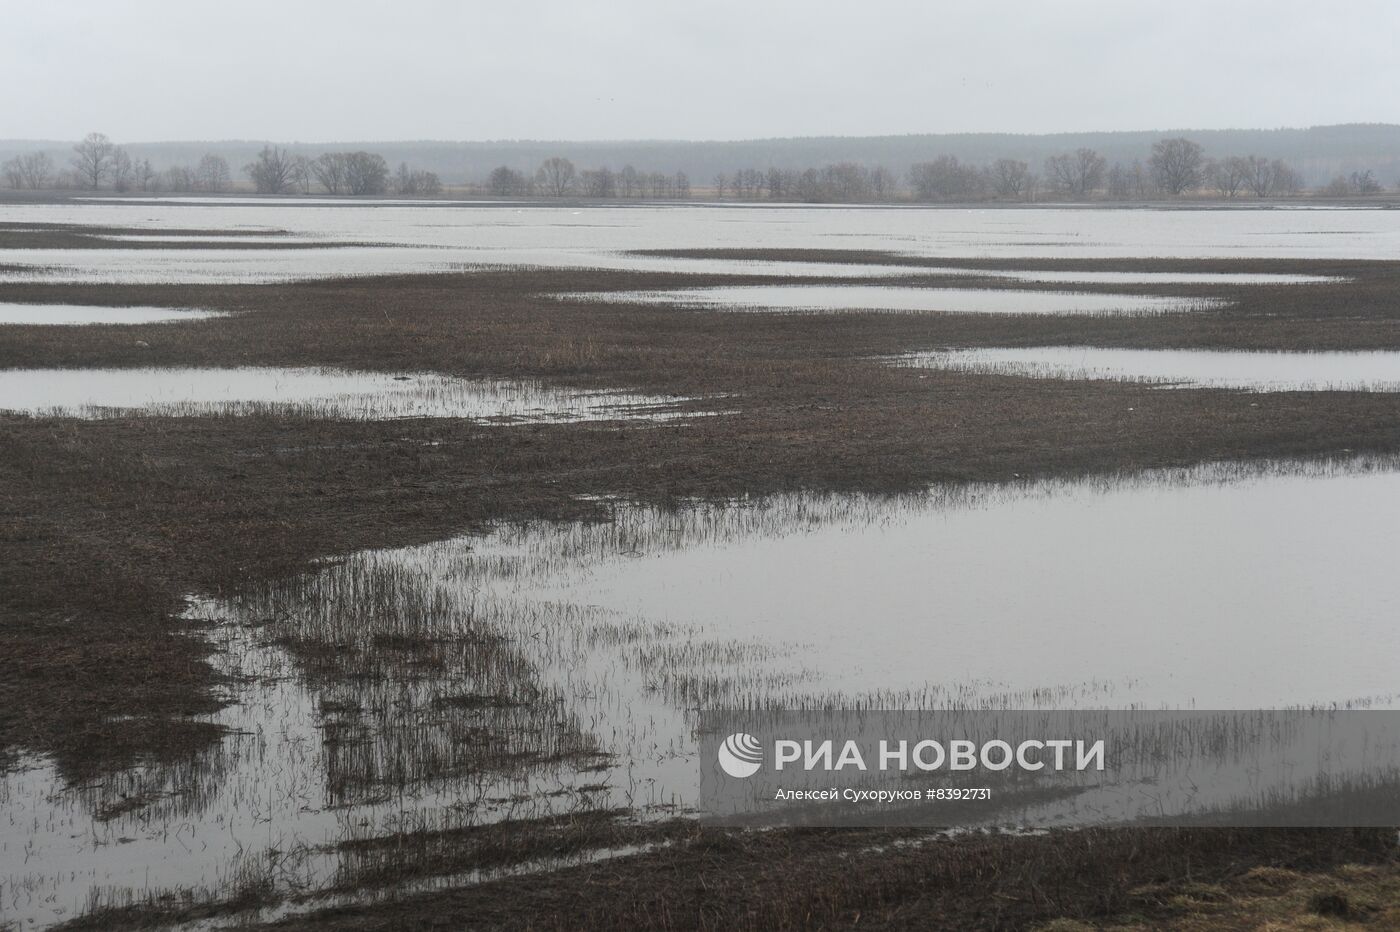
278	171
557	177
98	162
1175	167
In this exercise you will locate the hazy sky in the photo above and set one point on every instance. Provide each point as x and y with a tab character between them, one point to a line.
314	71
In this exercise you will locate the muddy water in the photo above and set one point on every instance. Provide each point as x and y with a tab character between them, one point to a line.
547	667
878	298
1376	371
329	393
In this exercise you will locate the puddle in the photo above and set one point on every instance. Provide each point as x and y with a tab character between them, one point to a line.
1160	278
326	393
883	298
552	668
1377	371
74	314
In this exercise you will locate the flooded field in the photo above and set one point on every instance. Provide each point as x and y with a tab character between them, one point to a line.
1254	371
524	697
311	392
407	237
876	298
74	314
546	669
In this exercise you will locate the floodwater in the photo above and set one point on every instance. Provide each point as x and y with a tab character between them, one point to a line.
74	314
319	392
1375	371
878	298
444	236
554	667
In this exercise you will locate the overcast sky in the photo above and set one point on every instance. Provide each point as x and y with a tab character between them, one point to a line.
314	71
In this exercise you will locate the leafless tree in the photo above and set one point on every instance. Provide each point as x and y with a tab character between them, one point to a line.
721	185
1176	165
366	174
682	185
945	179
599	182
1364	182
629	182
416	182
506	182
332	172
1010	178
301	174
272	171
212	174
1119	182
179	178
144	175
92	159
556	176
30	171
1077	174
883	183
1228	175
123	171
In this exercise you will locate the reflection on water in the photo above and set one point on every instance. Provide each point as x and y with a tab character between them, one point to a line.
552	668
884	298
1377	371
329	393
1161	278
444	238
71	314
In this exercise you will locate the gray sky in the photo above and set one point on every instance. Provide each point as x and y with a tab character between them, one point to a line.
315	71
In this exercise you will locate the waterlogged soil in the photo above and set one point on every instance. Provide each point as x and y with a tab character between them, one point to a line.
109	523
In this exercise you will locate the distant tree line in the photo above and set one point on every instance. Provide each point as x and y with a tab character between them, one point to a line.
557	177
1174	167
99	163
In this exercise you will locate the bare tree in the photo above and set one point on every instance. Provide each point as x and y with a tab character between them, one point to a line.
556	176
366	174
144	175
331	172
212	174
682	185
598	182
179	178
123	171
1078	173
1364	182
1120	182
271	172
945	179
506	182
1176	165
883	183
301	174
721	185
416	182
1010	178
1228	175
30	171
92	159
